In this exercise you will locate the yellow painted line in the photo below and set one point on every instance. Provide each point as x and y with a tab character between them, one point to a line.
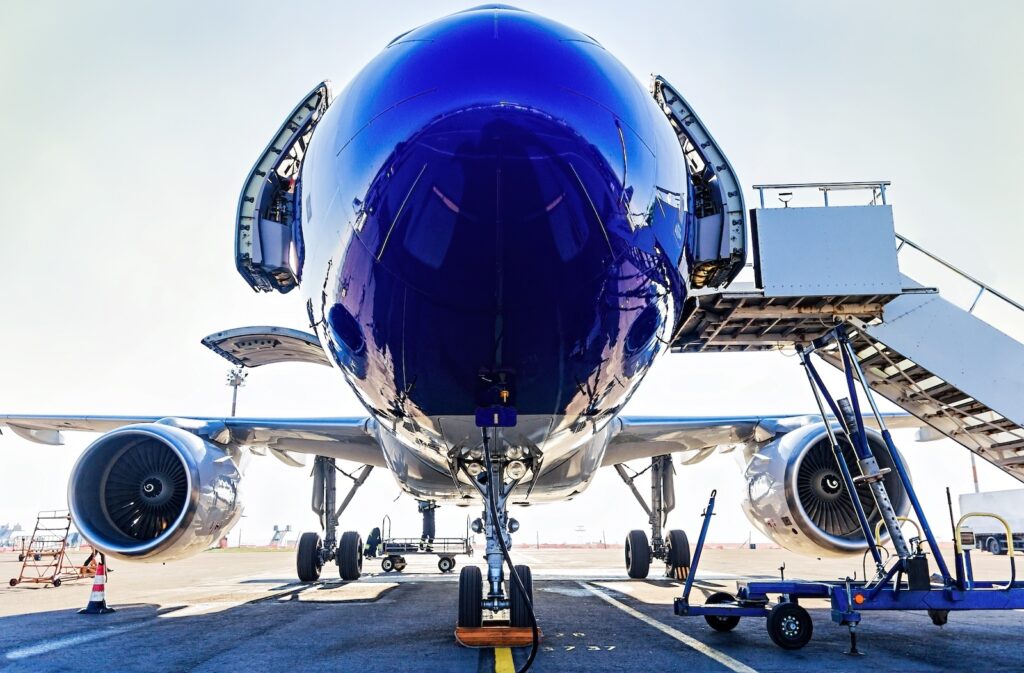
503	660
689	641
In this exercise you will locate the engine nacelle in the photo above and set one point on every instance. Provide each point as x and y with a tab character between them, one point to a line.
796	495
154	492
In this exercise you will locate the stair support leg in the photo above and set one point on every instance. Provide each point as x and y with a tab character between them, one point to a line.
819	390
901	469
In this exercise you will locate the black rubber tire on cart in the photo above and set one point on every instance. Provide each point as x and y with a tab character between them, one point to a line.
789	626
14	582
678	559
519	610
307	559
938	617
471	585
400	563
21	557
56	582
638	554
387	564
992	546
350	556
445	564
721	623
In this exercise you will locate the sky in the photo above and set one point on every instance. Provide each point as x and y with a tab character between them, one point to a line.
128	128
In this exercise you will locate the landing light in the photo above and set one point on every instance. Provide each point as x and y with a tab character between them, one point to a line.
516	469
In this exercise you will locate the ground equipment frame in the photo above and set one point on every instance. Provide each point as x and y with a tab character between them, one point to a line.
393	549
789	624
44	560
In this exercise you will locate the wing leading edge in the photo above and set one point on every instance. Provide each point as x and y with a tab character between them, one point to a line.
348	438
696	438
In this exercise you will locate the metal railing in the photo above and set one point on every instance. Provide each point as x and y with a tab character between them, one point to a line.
877	188
982	287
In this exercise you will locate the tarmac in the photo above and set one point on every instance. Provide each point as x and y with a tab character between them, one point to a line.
230	610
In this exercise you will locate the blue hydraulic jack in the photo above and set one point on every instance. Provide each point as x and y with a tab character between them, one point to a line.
789	625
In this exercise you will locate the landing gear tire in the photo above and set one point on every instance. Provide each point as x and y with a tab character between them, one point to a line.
519	610
471	597
678	558
789	626
939	617
307	560
350	556
720	623
638	554
445	564
387	564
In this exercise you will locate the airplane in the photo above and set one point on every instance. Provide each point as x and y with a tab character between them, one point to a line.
494	227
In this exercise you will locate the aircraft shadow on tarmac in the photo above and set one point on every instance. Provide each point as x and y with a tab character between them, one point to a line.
408	626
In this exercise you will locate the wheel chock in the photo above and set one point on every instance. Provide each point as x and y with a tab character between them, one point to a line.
495	636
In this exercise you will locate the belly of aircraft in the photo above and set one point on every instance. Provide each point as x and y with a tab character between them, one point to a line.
570	456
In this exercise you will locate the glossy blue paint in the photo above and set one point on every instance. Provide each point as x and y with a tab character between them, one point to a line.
494	191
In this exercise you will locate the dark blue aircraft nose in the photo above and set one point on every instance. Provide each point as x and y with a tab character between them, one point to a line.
491	182
493	135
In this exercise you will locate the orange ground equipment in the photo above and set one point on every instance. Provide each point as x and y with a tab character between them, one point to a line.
44	560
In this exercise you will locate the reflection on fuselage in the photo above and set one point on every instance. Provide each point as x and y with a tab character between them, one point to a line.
494	192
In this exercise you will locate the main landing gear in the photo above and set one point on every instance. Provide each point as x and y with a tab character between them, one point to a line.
314	552
494	472
674	548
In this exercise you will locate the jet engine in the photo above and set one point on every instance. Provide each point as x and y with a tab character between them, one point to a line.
796	495
154	491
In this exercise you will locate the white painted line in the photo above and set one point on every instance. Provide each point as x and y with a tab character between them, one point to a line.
71	641
689	641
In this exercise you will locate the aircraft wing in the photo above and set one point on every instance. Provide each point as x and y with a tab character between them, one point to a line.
696	438
351	438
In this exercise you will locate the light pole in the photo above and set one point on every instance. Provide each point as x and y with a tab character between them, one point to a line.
240	530
236	379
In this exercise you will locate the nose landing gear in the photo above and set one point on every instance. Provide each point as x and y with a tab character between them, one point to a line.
495	480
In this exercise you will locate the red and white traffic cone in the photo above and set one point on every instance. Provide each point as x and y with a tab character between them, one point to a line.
97	600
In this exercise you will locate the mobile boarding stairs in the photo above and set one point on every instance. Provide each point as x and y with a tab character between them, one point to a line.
833	281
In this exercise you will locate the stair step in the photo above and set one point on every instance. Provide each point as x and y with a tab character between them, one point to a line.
995	427
1011	445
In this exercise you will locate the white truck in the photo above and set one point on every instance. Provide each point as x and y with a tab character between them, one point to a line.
989	534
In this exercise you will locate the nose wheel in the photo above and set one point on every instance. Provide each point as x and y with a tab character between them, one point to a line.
471	587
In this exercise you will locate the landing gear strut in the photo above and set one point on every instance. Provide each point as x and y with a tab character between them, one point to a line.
495	479
313	552
672	549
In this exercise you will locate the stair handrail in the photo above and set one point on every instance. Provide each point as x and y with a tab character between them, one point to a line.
982	287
